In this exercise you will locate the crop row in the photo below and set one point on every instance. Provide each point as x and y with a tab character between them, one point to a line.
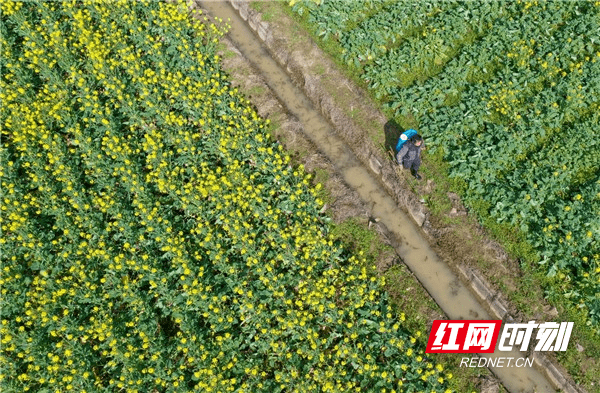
480	62
333	18
374	36
422	55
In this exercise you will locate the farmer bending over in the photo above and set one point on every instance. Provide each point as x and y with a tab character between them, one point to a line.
410	155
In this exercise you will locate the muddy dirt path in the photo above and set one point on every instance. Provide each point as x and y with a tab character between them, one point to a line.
455	299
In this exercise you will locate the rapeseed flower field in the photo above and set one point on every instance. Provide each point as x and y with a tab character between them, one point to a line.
154	238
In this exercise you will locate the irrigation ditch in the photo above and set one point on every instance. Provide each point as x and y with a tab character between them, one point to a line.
366	182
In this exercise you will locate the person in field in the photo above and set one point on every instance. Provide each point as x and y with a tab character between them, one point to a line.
409	155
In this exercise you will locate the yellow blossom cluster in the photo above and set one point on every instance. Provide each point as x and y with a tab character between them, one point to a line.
559	68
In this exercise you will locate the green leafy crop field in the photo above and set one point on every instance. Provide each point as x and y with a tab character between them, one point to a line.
510	93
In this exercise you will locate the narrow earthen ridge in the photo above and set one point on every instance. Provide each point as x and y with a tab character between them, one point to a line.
297	65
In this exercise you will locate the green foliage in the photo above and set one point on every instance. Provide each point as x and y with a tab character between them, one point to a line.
514	110
354	234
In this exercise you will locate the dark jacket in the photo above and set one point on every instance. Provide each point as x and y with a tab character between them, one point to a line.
409	153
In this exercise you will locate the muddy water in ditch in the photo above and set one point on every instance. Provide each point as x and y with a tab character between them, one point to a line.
443	285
